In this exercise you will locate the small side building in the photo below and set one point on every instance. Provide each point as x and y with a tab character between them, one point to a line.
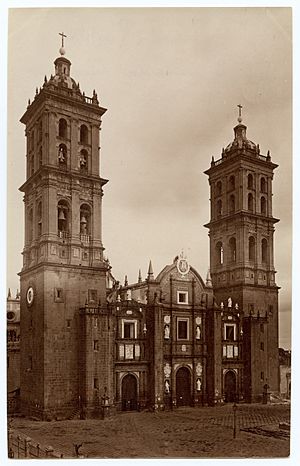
13	351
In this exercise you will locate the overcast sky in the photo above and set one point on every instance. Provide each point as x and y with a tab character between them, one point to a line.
171	80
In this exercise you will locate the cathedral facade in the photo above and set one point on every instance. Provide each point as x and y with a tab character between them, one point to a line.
90	346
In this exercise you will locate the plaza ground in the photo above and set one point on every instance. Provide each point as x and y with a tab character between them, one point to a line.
182	433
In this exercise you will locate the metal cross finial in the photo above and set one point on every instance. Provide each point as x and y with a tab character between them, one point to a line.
240	113
62	38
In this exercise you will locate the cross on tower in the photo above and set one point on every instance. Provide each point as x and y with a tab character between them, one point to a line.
62	38
240	113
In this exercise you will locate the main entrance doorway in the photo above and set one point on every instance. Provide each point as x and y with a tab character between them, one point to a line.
183	387
230	387
129	393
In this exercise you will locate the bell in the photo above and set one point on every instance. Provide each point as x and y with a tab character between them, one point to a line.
83	219
61	215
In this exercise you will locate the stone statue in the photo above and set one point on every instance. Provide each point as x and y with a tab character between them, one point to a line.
167	386
229	302
167	332
198	385
198	333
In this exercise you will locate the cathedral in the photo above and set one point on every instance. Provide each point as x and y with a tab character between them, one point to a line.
90	347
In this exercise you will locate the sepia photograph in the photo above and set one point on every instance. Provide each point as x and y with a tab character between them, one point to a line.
149	232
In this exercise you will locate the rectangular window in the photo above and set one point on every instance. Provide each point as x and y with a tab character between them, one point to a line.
30	363
128	351
182	297
236	351
229	332
137	351
229	351
96	345
262	329
182	329
92	294
58	295
262	376
262	346
96	383
68	323
121	352
129	328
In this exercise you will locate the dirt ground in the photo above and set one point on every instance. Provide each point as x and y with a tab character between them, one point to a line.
182	433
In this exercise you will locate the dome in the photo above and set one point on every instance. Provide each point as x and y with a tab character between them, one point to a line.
240	140
246	143
64	81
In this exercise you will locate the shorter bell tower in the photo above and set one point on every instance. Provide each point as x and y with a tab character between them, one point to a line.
241	231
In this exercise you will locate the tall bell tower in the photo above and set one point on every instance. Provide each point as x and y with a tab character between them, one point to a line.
241	231
63	265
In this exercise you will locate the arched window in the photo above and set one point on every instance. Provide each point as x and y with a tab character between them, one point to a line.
219	188
231	203
251	248
232	248
63	219
83	134
30	225
83	161
263	185
39	218
219	208
250	202
62	156
85	222
264	250
263	205
231	182
62	128
250	181
220	253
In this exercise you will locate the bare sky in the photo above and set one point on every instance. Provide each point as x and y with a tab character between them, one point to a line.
171	80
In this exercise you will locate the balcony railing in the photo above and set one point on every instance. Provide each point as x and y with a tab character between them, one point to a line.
63	234
85	238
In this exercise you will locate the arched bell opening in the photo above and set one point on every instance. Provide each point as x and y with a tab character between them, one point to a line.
63	218
85	223
83	161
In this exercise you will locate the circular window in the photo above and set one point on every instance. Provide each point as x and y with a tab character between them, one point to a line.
10	315
30	296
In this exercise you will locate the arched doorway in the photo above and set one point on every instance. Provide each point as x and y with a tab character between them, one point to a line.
129	393
183	387
230	386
